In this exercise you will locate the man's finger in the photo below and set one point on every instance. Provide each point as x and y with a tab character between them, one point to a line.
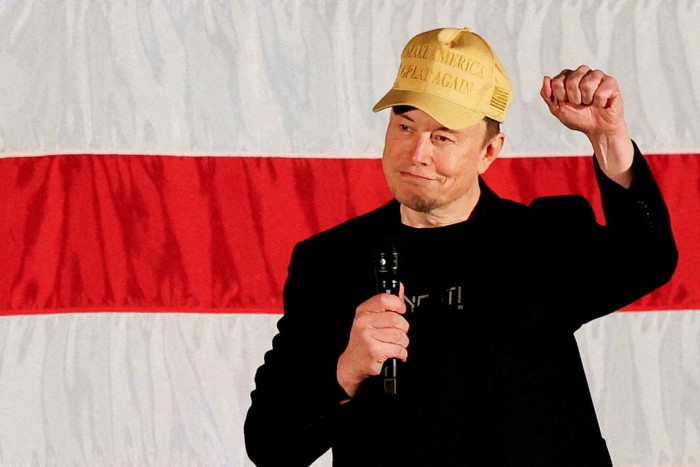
558	85
381	303
607	91
548	95
589	86
389	320
546	89
572	85
392	336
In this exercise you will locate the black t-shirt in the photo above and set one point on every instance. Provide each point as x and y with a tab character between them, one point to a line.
438	383
442	403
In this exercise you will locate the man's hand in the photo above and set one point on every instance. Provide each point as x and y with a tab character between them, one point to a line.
590	101
378	333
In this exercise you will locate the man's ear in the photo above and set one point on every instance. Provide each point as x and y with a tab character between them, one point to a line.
490	152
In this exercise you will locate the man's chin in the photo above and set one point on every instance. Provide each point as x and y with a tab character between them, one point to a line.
419	204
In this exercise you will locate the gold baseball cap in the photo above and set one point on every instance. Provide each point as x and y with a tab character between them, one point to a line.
454	76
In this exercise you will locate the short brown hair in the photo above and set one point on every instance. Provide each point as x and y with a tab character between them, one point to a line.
493	127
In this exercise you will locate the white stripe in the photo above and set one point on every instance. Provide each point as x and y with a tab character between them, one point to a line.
244	78
173	389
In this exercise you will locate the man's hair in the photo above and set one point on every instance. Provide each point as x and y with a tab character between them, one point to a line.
493	127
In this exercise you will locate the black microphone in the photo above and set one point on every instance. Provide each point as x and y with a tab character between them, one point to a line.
386	267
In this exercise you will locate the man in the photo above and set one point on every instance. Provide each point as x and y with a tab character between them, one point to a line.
492	291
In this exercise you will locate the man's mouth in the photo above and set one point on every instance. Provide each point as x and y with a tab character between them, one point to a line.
416	176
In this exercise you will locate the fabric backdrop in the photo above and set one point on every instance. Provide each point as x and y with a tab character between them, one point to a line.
159	160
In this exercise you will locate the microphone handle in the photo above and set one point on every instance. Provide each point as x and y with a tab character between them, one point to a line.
389	370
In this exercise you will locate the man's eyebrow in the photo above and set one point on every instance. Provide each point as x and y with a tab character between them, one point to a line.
442	128
406	117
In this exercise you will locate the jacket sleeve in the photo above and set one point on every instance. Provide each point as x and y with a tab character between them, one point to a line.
597	269
296	401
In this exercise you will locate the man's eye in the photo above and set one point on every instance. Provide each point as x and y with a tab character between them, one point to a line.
403	127
443	139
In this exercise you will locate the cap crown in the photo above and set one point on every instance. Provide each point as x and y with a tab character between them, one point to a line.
454	76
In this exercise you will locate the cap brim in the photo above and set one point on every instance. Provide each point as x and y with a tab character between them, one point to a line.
449	114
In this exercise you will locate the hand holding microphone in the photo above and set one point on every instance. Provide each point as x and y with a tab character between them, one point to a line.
378	334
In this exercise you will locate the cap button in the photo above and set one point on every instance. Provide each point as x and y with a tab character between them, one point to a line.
447	35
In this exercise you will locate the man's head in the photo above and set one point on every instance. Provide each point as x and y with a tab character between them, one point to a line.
450	95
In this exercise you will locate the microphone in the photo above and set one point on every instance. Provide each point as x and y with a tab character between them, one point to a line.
386	268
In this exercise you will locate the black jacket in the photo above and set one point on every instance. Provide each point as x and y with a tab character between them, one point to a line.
501	383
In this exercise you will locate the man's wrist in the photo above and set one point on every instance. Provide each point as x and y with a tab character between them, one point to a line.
345	382
615	153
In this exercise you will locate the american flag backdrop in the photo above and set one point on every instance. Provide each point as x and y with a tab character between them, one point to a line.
159	160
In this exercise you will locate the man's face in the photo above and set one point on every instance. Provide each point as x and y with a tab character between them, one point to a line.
434	170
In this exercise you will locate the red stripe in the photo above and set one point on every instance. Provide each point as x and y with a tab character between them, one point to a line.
214	234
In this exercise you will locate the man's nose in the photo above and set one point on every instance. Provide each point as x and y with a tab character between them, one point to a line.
421	150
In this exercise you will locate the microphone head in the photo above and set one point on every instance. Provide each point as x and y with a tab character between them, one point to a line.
386	266
386	256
